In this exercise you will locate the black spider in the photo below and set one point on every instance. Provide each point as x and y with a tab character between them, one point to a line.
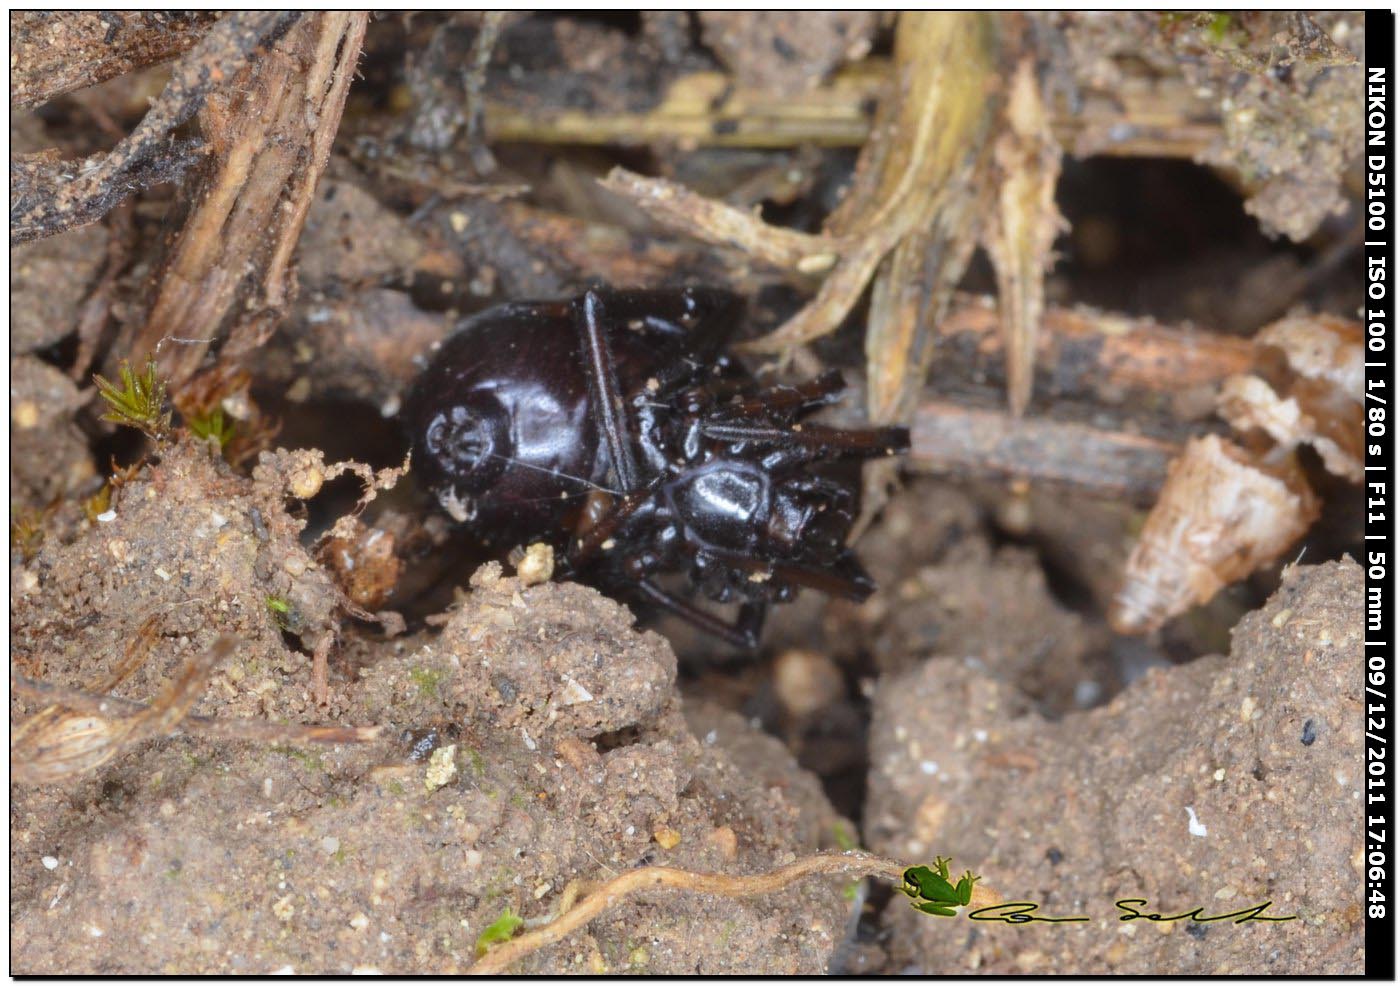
613	427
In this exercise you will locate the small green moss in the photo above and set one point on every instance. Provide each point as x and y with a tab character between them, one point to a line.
499	930
26	531
139	402
427	680
285	615
340	856
478	763
396	789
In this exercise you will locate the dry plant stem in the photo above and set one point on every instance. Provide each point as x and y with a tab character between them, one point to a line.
963	443
487	230
1088	351
27	742
711	108
49	195
225	275
915	166
57	52
491	23
917	178
678	208
1145	116
250	730
612	893
1023	226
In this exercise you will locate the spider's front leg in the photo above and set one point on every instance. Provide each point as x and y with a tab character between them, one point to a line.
605	393
742	633
770	418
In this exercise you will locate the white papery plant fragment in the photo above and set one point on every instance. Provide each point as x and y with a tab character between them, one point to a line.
1314	397
1223	513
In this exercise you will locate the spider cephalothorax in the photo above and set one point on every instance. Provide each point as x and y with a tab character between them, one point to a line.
613	427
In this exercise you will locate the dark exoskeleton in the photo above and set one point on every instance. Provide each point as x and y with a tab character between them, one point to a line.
614	427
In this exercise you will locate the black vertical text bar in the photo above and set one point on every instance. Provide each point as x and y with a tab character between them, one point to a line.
1378	401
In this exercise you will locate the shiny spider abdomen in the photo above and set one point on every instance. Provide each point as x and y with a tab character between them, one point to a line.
613	427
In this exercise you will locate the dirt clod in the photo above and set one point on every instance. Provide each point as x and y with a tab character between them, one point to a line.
1192	788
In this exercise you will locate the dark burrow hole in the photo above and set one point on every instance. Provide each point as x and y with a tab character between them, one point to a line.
616	739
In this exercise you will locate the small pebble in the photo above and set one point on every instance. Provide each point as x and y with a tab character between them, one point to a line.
50	863
107	516
537	566
442	767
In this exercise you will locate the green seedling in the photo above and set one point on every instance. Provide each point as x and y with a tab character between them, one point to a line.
499	930
139	402
933	892
212	424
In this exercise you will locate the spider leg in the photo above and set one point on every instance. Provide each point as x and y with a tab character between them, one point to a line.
815	393
819	440
742	633
844	578
605	392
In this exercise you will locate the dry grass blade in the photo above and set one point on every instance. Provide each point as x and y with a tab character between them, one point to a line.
1023	226
935	124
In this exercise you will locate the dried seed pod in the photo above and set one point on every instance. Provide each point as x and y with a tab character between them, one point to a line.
55	744
1222	515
